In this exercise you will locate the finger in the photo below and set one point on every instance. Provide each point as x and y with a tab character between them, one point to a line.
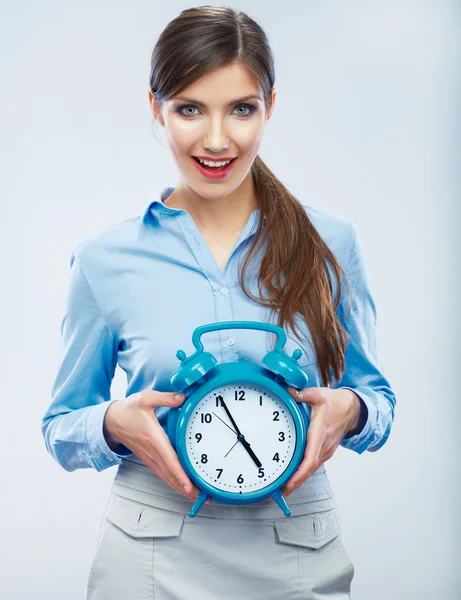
156	465
169	457
171	464
311	395
163	459
153	451
162	471
153	398
312	456
174	483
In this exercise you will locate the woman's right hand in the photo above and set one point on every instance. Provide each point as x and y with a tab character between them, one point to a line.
133	422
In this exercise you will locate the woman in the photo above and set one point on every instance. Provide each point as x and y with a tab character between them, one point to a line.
139	289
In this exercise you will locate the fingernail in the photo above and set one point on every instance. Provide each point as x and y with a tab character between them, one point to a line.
179	396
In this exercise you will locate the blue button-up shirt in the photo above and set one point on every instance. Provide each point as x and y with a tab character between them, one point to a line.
139	289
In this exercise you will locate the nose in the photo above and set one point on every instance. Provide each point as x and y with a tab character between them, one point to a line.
216	139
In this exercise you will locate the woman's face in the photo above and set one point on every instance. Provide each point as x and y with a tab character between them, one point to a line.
212	122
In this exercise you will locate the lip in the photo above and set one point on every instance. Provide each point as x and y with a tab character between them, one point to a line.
216	174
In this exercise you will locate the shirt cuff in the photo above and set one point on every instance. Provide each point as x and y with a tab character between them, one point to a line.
103	456
360	441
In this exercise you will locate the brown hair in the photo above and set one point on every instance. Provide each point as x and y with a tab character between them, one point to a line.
204	38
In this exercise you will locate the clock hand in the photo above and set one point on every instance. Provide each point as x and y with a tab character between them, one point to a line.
240	436
256	460
249	450
233	431
223	404
232	447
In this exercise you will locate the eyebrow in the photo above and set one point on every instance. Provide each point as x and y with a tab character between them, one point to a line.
192	101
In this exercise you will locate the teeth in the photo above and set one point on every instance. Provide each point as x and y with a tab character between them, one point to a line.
210	163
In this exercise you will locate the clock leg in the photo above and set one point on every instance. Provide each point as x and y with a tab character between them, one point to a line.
278	497
202	498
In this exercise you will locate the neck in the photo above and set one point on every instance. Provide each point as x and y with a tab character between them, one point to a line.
217	215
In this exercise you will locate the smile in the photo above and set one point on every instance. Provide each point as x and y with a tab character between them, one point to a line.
214	172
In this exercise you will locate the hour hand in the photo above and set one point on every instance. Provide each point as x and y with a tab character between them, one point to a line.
256	460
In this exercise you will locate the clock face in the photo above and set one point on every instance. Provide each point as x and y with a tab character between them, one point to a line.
252	461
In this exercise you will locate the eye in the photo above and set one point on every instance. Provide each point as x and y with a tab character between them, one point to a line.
180	109
250	108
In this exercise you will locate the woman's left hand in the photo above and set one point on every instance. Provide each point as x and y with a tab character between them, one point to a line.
333	414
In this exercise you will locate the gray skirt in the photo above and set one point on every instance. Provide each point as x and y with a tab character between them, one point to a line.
149	548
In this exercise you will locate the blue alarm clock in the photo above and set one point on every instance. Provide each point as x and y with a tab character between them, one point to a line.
239	435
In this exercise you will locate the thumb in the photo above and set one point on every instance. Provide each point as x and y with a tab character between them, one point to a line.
155	398
309	395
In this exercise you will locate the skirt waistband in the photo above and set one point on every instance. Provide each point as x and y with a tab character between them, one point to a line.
137	482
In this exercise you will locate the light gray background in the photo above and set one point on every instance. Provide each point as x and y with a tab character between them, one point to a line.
365	125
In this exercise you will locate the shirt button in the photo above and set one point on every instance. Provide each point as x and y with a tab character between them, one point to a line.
230	341
224	291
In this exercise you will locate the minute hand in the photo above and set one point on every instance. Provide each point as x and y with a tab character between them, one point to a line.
240	436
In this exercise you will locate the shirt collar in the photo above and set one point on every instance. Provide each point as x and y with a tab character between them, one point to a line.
158	209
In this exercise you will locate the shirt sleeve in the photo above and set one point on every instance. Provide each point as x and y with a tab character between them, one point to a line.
363	366
72	425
